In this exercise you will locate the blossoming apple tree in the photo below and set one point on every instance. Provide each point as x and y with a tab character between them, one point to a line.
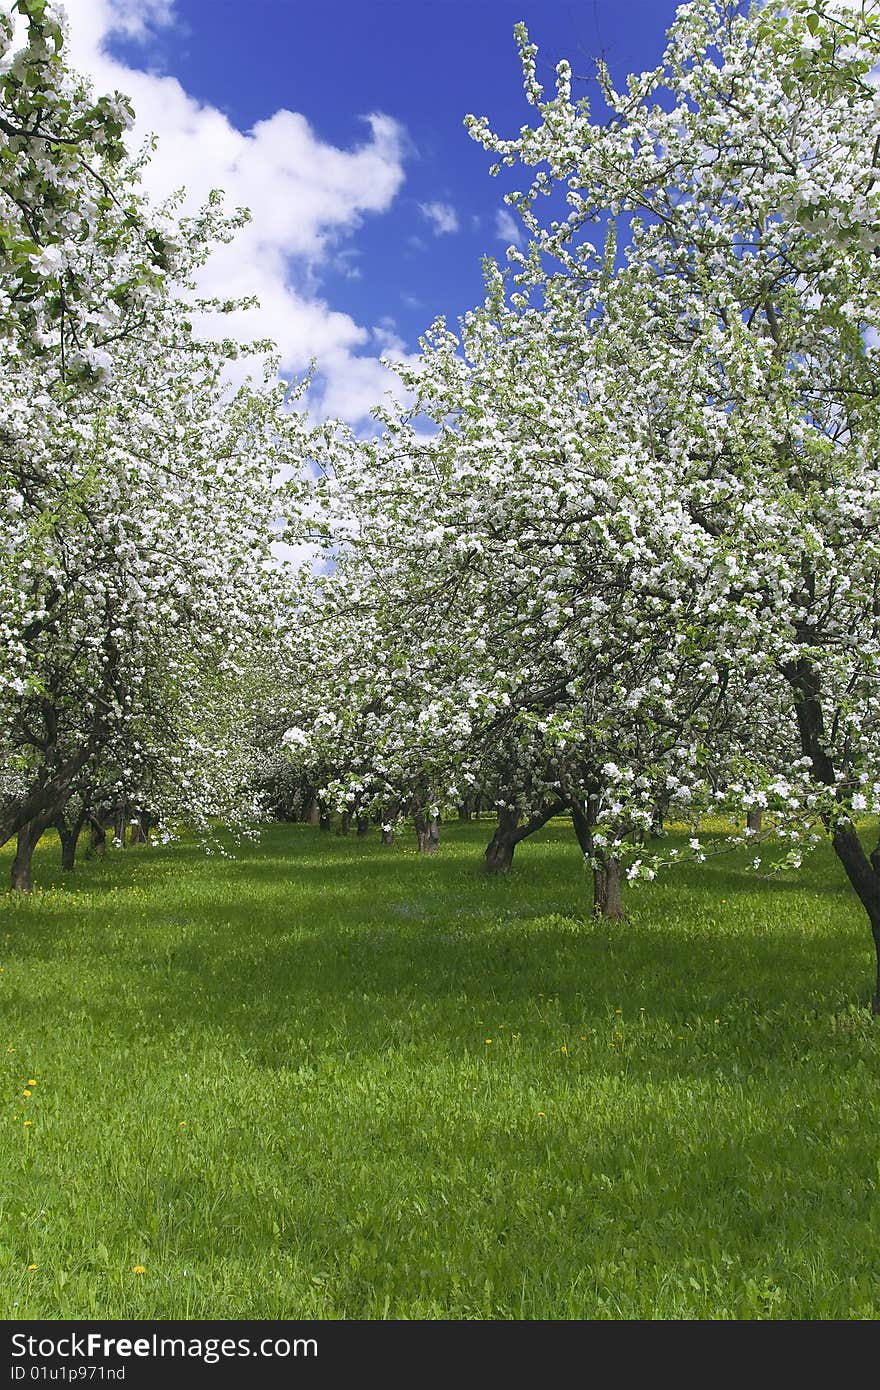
745	170
137	486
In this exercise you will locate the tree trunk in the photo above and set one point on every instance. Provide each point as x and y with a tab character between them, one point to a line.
363	826
501	847
98	841
68	834
344	823
583	828
862	871
608	891
427	833
464	811
138	834
864	875
21	880
313	812
120	821
754	818
325	820
387	835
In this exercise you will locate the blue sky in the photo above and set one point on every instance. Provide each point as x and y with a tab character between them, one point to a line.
399	235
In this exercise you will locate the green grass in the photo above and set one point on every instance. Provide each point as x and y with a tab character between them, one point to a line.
269	1081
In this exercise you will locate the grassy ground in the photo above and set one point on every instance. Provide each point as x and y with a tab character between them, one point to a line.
324	1079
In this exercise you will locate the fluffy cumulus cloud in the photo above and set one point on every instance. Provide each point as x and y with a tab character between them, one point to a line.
307	199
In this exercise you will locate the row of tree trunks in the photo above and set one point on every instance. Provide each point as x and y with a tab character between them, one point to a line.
69	832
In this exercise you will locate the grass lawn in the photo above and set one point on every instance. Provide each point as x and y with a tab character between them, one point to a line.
324	1079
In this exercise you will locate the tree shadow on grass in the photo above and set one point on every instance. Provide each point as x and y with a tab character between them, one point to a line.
351	947
279	991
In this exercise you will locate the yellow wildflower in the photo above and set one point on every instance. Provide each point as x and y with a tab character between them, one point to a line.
138	1269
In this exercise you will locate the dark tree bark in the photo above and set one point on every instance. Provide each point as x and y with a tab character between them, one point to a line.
510	832
500	849
344	823
120	822
68	834
27	838
325	820
313	812
754	818
363	825
465	811
608	891
427	833
98	837
583	828
387	836
607	879
862	870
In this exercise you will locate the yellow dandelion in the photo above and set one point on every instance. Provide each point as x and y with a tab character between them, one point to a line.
32	1266
10	1049
563	1049
32	1083
487	1041
542	1114
618	1011
25	1093
28	1124
180	1124
138	1269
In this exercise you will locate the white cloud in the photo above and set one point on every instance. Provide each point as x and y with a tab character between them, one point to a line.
442	217
508	229
307	197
